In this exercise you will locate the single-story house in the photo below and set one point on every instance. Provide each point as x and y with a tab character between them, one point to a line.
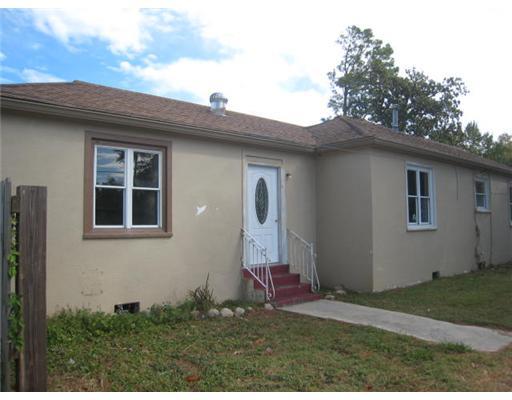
147	196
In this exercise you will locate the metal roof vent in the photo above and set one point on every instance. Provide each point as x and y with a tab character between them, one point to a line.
394	120
218	103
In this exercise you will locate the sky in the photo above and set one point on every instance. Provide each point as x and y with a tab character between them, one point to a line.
270	58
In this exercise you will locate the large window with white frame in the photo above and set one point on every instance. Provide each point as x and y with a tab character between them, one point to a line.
421	213
127	187
482	191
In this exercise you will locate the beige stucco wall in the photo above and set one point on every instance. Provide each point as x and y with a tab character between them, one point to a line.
100	273
344	223
402	257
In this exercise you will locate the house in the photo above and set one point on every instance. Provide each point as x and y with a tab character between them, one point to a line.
147	196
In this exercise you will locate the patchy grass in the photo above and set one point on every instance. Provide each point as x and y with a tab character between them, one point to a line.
477	298
267	351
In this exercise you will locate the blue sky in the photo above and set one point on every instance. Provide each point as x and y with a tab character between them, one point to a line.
270	58
32	55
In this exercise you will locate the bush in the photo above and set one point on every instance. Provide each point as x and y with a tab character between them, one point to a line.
202	297
165	314
85	325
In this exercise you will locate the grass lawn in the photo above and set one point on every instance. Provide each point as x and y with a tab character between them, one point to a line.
265	351
477	298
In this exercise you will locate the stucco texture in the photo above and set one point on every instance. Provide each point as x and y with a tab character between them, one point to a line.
402	257
99	273
344	224
364	242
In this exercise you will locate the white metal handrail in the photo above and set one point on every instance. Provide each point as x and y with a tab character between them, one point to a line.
257	263
302	259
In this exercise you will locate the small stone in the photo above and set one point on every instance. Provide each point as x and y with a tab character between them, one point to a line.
213	313
71	361
329	297
195	314
239	311
249	308
341	292
269	307
226	313
268	351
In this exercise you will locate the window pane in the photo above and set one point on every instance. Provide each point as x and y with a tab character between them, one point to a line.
413	211
424	189
109	206
480	187
481	201
425	211
109	166
145	206
411	183
145	173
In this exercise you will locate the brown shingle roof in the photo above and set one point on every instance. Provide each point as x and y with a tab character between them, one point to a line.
343	130
85	96
91	97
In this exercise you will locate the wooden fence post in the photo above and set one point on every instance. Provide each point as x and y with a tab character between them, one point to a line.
5	282
31	285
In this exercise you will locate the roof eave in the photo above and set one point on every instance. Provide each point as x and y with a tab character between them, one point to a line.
371	141
10	103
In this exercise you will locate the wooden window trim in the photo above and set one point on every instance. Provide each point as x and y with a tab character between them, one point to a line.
97	138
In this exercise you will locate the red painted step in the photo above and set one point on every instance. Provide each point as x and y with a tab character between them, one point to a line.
296	300
285	279
288	288
279	269
292	290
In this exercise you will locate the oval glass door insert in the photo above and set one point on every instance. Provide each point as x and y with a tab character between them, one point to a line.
261	202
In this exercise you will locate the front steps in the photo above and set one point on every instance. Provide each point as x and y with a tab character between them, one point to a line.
288	288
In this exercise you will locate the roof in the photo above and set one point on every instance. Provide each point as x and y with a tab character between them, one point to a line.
342	131
338	132
92	97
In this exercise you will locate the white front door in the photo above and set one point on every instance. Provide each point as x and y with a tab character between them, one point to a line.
263	208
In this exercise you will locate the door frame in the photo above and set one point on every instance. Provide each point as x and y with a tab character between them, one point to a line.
281	199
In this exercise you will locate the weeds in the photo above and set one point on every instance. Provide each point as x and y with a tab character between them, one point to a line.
202	297
84	325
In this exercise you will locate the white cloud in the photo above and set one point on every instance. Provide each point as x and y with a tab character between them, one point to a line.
269	44
2	56
127	31
251	86
32	75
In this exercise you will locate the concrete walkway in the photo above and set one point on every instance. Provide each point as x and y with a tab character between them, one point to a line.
481	339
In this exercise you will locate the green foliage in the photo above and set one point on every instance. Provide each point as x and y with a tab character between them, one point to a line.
167	314
501	150
202	297
84	325
15	333
366	83
12	258
365	60
231	354
476	298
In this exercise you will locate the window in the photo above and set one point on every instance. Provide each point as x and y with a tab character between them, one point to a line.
420	198
482	194
127	187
